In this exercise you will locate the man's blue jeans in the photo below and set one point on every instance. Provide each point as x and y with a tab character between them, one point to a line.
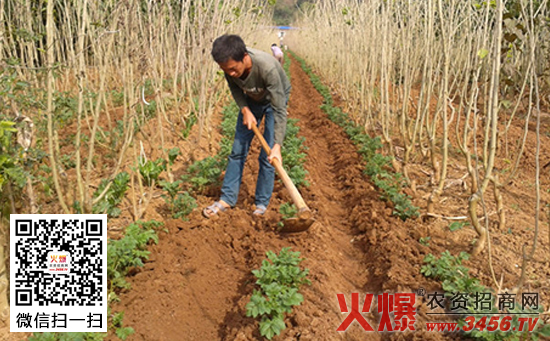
241	145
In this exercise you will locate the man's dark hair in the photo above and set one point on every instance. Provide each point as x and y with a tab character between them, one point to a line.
273	44
228	46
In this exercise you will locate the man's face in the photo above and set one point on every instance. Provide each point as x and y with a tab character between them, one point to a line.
234	69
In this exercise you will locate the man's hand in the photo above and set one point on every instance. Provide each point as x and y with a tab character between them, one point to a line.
275	153
248	118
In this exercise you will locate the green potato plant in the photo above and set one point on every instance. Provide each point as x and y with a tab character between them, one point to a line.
280	279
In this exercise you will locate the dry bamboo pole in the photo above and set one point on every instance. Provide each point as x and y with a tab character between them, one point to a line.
492	130
431	123
411	68
4	282
446	41
528	256
441	169
180	63
10	47
385	106
2	31
372	86
158	70
27	49
471	105
525	133
463	144
50	106
81	72
427	83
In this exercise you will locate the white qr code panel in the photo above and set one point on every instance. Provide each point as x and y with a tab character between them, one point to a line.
58	273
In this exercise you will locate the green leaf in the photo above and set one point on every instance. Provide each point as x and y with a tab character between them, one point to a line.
7	126
457	225
506	104
271	255
544	331
295	299
270	328
482	53
123	333
256	306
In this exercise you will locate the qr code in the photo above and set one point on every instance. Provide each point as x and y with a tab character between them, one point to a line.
58	266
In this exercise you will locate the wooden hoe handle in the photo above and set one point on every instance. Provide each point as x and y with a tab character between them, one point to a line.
303	211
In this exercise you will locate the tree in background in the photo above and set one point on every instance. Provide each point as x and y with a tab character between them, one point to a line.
286	11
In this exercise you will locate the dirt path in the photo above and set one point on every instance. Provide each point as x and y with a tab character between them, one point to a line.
198	280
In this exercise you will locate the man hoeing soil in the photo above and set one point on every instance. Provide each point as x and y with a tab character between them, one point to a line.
261	89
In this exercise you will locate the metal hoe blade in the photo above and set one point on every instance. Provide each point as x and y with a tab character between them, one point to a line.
293	225
300	224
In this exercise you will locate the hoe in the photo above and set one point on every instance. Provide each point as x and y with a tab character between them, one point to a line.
305	217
